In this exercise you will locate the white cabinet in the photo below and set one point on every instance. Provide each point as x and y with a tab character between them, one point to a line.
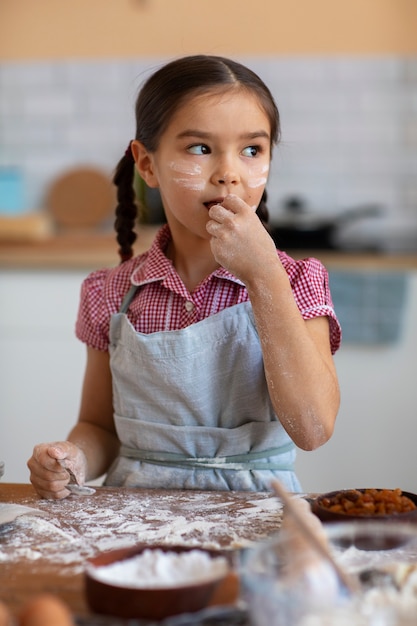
374	443
42	366
41	362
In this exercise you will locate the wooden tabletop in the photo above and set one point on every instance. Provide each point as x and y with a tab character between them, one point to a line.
46	549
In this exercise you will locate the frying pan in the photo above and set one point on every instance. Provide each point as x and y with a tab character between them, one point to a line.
305	230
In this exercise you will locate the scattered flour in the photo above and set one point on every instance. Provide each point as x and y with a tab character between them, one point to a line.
75	529
158	568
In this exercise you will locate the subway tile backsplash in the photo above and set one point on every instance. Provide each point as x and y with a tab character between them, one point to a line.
349	131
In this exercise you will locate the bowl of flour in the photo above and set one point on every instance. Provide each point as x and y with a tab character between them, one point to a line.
154	581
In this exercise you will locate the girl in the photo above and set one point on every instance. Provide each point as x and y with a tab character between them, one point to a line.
209	357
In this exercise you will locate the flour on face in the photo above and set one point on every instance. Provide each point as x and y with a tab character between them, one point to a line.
190	175
257	176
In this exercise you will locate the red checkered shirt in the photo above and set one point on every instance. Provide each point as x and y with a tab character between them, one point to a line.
162	302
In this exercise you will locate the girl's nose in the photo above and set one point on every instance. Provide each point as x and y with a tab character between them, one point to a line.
226	174
225	169
228	178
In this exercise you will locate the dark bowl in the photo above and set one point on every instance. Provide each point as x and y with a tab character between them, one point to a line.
326	515
151	602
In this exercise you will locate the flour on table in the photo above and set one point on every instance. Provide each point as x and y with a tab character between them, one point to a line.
75	529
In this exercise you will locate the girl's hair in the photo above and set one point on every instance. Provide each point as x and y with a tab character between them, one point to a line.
160	97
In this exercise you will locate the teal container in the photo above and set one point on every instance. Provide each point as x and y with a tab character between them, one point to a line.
12	201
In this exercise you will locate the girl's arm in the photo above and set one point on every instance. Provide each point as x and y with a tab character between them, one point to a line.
95	433
299	366
92	444
298	363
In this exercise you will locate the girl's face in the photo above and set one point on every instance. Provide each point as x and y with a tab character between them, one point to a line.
216	144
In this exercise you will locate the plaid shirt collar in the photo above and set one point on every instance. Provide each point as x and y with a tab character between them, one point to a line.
156	267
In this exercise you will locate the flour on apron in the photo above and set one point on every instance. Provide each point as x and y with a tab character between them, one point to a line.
192	409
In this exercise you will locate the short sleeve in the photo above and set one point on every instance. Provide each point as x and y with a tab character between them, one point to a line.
93	320
309	281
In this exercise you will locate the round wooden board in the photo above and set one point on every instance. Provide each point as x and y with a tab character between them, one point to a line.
81	198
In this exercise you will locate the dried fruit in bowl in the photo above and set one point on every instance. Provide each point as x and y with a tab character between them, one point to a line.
368	502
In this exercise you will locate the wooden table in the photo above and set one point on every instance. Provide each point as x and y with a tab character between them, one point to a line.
46	550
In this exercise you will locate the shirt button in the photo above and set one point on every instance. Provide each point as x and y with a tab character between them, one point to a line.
189	306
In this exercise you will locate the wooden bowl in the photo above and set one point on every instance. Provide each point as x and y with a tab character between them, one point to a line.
326	515
155	603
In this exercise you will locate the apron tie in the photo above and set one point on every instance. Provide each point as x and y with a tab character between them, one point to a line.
245	461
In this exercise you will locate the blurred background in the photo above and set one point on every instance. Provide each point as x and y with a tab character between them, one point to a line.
345	80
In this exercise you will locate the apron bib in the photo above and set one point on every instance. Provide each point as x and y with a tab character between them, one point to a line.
192	409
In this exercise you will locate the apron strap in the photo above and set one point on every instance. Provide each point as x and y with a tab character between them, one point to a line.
234	462
128	299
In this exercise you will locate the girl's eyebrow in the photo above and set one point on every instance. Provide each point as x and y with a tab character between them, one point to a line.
201	134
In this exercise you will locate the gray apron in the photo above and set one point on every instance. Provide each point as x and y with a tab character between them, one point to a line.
192	409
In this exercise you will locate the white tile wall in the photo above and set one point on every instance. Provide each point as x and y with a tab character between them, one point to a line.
349	130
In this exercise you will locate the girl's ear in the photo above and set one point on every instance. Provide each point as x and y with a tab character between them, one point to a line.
144	163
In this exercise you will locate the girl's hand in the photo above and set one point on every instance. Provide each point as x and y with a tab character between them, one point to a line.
48	463
239	241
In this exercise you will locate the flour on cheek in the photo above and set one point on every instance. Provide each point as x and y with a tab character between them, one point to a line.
257	176
190	175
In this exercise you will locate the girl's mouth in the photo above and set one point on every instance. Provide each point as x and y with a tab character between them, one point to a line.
213	202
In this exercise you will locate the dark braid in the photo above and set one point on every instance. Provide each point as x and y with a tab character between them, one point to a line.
126	210
262	211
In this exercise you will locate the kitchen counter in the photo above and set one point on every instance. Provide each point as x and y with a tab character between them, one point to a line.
46	551
69	250
91	250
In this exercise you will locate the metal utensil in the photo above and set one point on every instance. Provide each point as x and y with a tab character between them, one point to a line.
80	490
73	485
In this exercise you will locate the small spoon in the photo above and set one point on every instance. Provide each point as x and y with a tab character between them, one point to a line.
322	549
74	486
80	490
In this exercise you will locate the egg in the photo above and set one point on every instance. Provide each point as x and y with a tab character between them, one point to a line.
5	618
45	610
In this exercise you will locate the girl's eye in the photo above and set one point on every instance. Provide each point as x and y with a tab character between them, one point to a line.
251	151
200	148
